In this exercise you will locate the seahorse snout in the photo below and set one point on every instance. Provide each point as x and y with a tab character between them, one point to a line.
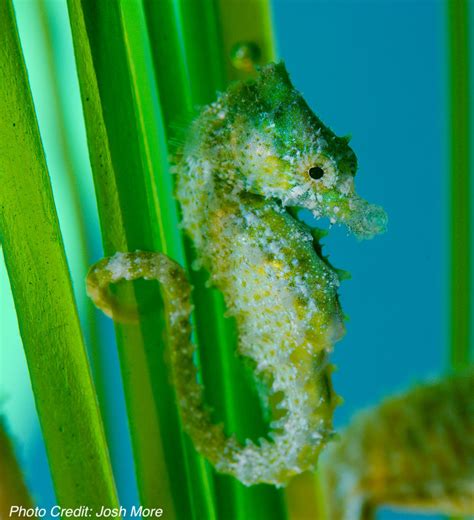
365	220
362	219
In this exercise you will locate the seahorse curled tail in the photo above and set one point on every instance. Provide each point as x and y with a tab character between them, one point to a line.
272	462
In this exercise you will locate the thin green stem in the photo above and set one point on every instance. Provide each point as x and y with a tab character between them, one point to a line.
304	497
83	240
460	183
143	418
41	287
246	21
137	211
159	187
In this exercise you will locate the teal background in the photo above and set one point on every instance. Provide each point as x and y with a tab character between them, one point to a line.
377	70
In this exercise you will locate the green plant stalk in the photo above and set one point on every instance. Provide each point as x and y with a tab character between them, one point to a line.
13	490
246	21
460	187
160	190
304	498
128	155
143	419
190	69
83	242
41	287
77	176
460	182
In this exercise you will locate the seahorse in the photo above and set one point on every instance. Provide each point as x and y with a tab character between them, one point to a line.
414	451
248	159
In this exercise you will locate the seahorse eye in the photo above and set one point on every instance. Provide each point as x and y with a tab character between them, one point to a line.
316	172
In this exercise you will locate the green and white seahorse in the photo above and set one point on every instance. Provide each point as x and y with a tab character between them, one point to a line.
248	158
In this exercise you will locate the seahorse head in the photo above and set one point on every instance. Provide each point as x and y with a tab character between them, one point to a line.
282	150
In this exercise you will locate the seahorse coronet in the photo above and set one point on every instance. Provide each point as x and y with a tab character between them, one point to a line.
244	163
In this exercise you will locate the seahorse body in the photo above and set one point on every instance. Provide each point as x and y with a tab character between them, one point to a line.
254	152
414	451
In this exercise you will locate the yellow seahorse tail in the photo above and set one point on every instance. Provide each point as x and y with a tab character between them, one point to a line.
208	438
274	461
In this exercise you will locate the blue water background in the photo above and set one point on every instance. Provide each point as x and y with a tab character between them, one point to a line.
376	70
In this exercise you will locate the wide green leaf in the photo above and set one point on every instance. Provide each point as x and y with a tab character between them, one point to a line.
41	286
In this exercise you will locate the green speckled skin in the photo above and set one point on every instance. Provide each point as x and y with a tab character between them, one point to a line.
246	159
